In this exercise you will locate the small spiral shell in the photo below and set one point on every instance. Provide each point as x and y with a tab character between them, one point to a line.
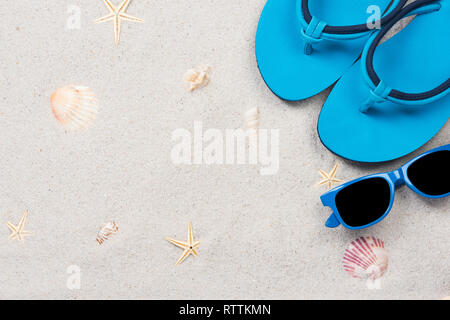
251	118
106	230
198	77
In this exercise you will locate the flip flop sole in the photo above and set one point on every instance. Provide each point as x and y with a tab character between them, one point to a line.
287	71
415	60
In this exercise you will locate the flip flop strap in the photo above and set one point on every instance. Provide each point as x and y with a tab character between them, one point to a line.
379	91
312	34
314	30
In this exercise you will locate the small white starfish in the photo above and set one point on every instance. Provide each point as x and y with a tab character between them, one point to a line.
17	231
118	14
329	178
189	247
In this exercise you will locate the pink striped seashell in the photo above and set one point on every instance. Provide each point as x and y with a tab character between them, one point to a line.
366	258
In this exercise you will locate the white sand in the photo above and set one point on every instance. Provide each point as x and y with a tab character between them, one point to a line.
263	237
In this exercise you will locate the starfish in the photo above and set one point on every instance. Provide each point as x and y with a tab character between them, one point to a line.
189	247
329	178
17	231
117	14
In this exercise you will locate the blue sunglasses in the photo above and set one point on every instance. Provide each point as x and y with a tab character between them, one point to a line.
366	201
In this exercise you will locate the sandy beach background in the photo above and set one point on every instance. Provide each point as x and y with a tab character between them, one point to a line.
262	237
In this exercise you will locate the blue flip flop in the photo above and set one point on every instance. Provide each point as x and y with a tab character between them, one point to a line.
304	46
364	118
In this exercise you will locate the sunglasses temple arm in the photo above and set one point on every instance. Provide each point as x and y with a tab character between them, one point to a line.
332	221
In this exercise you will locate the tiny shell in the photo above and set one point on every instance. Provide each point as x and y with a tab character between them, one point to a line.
198	77
75	107
106	230
366	258
252	118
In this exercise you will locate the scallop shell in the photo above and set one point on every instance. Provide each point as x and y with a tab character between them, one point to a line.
366	258
75	107
252	118
106	230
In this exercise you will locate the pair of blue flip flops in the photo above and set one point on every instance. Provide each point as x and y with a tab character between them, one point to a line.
390	98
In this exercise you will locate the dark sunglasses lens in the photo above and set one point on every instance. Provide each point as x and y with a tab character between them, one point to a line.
364	201
430	173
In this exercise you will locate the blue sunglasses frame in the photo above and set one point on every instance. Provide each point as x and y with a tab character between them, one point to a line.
394	178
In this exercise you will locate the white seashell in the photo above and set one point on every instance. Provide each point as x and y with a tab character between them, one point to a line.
75	107
106	230
252	118
366	258
197	77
